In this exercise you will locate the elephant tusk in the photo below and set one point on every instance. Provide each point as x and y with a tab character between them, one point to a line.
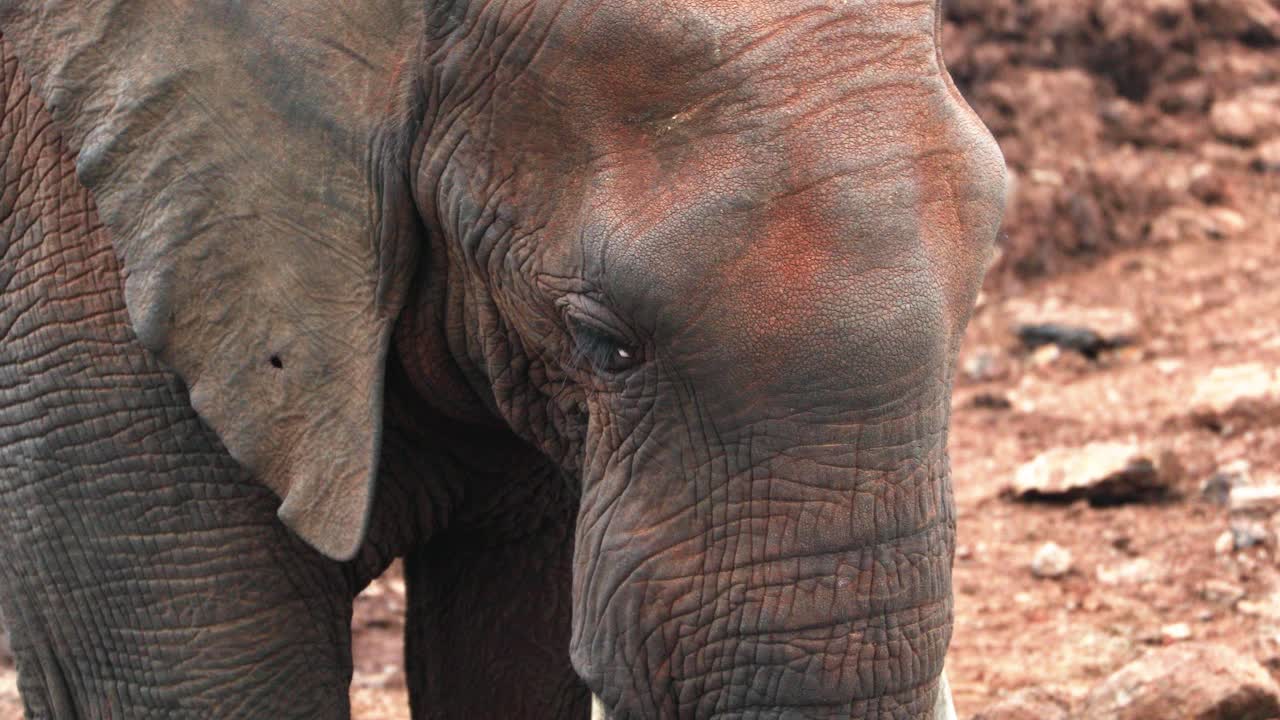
597	708
945	708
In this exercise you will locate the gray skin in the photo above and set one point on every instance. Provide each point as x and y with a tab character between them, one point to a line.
629	324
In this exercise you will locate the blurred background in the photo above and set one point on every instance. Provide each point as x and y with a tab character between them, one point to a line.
1116	433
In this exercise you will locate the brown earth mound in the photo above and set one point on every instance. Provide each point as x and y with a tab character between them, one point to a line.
1112	113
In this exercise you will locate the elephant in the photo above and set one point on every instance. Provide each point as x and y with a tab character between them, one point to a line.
629	325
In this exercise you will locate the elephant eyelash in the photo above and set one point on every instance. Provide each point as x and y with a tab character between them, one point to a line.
602	351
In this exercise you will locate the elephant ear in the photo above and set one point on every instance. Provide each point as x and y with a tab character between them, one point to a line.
242	155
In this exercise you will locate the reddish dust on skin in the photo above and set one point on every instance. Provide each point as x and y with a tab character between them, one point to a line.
784	265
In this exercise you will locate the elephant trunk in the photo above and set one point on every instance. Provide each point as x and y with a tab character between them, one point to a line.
814	577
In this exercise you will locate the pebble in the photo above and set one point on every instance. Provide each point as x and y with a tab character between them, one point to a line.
1267	157
1103	473
985	364
1248	117
1259	500
1218	487
1268	608
1225	544
1207	185
1176	632
1051	561
1138	571
1222	592
1181	223
1045	355
1256	19
1246	533
992	401
1227	387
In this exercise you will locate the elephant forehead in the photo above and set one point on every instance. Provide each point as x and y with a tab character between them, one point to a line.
650	65
592	66
720	31
804	212
552	93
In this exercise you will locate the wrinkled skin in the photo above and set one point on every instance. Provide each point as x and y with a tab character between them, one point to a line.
663	298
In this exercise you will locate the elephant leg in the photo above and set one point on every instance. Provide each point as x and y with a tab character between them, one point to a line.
488	626
143	574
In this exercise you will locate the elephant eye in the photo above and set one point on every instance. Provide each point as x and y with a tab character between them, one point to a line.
602	350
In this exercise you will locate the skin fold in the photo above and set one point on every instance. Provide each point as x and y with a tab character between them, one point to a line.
629	325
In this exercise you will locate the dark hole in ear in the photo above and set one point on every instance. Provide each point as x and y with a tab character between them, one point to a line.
276	362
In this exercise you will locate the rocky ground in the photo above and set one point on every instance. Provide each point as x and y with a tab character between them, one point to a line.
1095	495
1117	491
1116	436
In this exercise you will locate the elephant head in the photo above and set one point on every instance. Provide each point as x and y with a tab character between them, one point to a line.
714	259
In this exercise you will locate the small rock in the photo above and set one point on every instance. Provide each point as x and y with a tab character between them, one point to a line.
1267	650
984	365
1267	608
1231	388
1186	680
992	401
1138	571
1176	632
1222	592
1267	157
386	676
1045	176
1046	355
1121	542
1246	533
1218	488
1247	118
1253	609
1208	186
1026	704
1225	544
1085	330
1190	95
1252	20
1227	222
1255	500
1103	473
1051	561
1083	340
1179	224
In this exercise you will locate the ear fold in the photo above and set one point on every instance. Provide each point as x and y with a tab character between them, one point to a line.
240	155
